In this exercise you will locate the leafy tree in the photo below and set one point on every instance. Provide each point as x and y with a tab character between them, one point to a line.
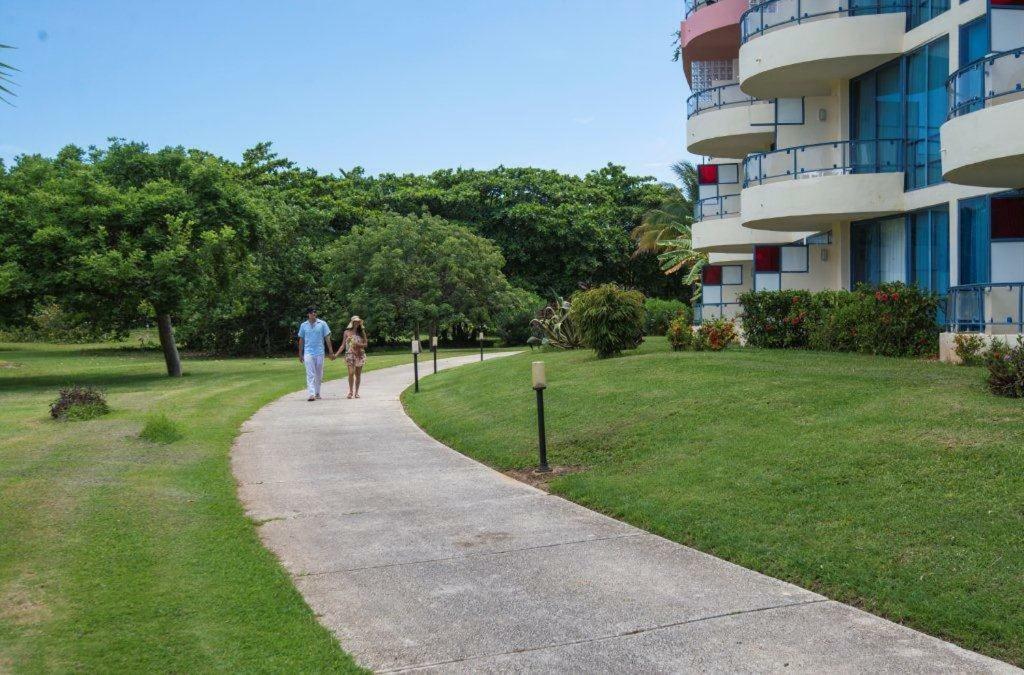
405	273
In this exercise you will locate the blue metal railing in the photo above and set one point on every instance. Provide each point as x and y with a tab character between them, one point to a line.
775	13
825	159
718	310
992	77
723	96
716	207
981	308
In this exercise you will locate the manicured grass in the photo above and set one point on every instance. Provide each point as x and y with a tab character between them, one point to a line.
892	484
123	554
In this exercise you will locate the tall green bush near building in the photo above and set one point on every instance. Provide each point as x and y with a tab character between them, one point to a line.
659	314
610	319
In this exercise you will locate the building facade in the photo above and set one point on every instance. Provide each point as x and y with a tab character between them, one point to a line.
856	141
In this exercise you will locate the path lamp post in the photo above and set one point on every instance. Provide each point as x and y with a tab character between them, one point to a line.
480	338
433	348
540	383
416	362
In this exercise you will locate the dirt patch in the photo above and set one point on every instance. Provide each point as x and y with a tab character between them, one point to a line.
9	364
539	479
21	603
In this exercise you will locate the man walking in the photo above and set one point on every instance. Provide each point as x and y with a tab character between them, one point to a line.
312	334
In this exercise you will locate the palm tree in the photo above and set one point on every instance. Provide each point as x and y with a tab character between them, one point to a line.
665	231
5	78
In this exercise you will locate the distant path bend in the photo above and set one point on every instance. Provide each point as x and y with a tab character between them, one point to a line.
418	557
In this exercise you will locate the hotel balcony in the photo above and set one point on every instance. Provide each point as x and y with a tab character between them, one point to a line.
718	228
711	31
810	186
725	122
982	143
796	48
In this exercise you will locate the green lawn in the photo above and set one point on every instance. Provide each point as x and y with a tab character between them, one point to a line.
896	485
117	554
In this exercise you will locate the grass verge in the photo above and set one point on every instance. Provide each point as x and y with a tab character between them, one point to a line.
118	554
891	484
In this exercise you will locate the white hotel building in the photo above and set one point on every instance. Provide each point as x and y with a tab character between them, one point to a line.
852	141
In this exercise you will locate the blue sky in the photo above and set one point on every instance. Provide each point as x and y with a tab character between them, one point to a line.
391	85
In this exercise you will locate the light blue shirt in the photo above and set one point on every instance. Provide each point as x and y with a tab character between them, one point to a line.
313	337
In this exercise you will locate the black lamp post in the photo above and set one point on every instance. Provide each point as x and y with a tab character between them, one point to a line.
480	337
416	362
433	348
540	383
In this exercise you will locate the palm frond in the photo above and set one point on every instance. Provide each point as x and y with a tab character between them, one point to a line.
5	76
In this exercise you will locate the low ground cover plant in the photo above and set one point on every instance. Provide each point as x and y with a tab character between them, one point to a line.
159	428
610	318
1006	368
660	313
79	403
889	320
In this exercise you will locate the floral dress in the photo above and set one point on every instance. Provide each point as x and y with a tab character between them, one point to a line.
355	349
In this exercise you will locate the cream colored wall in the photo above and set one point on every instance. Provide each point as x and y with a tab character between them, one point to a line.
821	274
732	293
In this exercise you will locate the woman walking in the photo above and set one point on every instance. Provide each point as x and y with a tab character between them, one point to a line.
354	345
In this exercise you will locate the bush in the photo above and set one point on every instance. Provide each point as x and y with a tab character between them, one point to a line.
715	335
50	322
79	403
1005	368
610	319
891	320
514	323
159	428
554	327
680	334
968	348
660	313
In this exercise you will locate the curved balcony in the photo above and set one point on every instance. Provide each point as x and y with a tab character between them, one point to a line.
996	308
718	228
711	31
796	48
981	140
807	187
725	122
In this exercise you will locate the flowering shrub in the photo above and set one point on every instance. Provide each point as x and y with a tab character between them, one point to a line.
660	313
968	348
1006	368
891	320
715	335
680	334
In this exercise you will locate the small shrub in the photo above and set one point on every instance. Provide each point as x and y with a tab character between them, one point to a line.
556	328
680	334
159	428
79	403
968	347
715	335
610	319
660	313
1005	368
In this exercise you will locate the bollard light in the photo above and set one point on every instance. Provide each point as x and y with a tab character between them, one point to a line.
480	337
540	383
433	342
416	363
433	348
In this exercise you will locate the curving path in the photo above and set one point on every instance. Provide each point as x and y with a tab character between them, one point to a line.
418	557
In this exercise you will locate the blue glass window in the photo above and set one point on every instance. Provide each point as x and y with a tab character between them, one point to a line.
929	249
973	40
925	10
926	105
975	238
879	251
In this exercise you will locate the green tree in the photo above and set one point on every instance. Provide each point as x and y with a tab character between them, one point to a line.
404	273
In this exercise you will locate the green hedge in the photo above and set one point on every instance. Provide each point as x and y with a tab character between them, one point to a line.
890	320
659	313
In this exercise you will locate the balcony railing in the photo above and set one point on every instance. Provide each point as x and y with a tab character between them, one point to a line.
994	77
986	308
824	159
691	6
724	96
716	207
764	17
720	310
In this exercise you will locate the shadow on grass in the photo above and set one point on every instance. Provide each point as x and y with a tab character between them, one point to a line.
100	380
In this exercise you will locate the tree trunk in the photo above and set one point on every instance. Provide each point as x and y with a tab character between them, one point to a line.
163	324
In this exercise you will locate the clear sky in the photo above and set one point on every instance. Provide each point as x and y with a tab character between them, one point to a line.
391	85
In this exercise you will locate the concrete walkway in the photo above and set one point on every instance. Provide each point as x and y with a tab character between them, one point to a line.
417	557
